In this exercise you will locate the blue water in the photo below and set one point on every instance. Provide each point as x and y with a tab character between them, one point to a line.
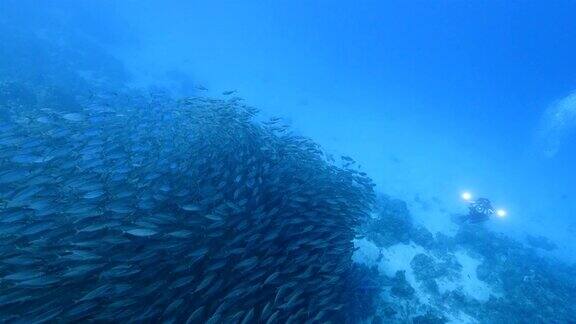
431	98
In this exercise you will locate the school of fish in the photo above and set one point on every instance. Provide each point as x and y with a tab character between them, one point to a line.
140	208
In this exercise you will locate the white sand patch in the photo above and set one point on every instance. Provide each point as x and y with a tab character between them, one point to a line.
398	258
461	318
468	281
390	260
367	252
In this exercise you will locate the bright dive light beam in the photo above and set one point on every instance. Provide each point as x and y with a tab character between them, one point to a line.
466	196
501	213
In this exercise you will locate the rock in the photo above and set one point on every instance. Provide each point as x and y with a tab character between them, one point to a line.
400	287
392	223
388	311
424	267
429	318
422	236
541	242
431	286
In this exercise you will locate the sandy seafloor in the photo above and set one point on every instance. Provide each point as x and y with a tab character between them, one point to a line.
398	257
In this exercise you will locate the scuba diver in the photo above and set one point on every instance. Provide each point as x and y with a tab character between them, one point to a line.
479	211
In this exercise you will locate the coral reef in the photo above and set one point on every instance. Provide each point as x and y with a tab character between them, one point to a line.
391	223
502	281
